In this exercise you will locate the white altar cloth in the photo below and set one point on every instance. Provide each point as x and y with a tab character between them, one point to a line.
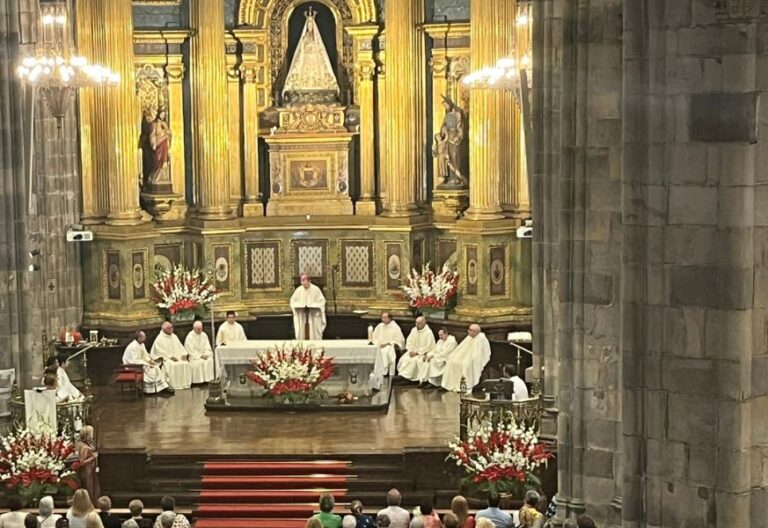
354	360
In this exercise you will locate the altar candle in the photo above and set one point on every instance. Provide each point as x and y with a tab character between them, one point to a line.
370	333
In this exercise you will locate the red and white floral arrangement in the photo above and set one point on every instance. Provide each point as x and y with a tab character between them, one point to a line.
36	464
183	290
291	373
430	290
500	458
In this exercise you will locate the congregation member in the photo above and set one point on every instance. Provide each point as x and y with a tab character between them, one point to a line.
308	307
45	516
230	331
109	520
389	338
92	520
460	508
361	520
200	354
382	521
417	522
168	504
432	365
398	517
166	519
136	507
519	388
428	515
14	518
467	361
348	521
529	516
89	462
30	521
168	348
420	343
155	376
483	522
326	515
450	520
494	514
81	507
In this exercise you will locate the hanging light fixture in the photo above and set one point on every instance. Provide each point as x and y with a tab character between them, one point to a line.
56	71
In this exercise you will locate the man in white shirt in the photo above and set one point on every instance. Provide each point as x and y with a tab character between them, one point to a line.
230	331
420	342
175	357
389	338
398	517
467	361
519	388
432	365
155	377
200	354
308	307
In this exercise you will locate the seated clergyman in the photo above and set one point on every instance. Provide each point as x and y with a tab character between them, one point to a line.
230	331
467	361
432	365
420	342
155	376
200	354
175	357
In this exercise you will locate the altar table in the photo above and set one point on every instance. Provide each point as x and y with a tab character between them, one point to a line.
353	358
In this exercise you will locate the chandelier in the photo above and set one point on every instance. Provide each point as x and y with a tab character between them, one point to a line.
56	71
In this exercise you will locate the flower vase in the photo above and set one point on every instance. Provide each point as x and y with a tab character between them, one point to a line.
438	315
182	317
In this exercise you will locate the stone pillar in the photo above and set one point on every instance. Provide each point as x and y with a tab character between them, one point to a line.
490	124
404	110
208	80
365	71
252	204
119	142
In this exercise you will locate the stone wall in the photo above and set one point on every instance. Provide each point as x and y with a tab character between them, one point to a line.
34	301
650	259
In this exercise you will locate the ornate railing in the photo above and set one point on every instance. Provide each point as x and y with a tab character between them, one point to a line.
70	417
476	411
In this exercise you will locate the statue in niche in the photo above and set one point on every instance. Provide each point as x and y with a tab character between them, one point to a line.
449	147
155	144
310	78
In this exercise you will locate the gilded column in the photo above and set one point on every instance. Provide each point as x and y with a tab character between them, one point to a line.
252	205
404	109
208	81
175	73
438	66
492	30
120	137
234	150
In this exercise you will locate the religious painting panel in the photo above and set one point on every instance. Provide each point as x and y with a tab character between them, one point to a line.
308	174
472	270
167	256
111	274
155	133
446	253
394	252
356	263
417	254
310	257
221	267
498	274
262	265
139	274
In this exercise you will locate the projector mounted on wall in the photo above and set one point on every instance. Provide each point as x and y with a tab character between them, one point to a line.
76	233
525	230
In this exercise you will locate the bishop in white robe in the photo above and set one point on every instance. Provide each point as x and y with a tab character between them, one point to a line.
308	307
155	377
200	354
387	335
420	343
432	366
230	331
175	357
467	361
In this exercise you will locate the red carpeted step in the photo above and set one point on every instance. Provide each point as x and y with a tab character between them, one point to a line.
273	511
276	482
272	468
251	523
267	496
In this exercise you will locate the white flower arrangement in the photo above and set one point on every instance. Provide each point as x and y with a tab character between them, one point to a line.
428	290
183	290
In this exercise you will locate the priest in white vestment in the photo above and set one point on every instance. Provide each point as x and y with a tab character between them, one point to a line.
66	387
308	307
420	343
467	361
230	331
388	336
519	388
432	366
175	357
200	354
155	377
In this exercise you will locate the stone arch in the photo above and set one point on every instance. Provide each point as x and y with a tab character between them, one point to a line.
259	13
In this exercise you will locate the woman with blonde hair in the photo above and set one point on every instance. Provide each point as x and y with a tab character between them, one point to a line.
81	507
89	462
92	520
460	508
484	522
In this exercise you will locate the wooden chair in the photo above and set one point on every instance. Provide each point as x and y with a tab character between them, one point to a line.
130	378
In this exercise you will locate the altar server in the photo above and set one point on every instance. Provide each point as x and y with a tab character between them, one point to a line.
155	377
432	366
467	361
65	387
200	354
308	307
420	342
175	357
230	331
387	335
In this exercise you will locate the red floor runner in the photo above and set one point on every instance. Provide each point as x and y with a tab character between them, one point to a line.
268	494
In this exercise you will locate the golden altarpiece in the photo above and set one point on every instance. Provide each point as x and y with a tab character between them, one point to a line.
299	140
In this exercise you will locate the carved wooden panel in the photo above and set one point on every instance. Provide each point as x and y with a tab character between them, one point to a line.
472	271
222	267
498	270
310	257
139	274
111	274
262	265
394	269
357	263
